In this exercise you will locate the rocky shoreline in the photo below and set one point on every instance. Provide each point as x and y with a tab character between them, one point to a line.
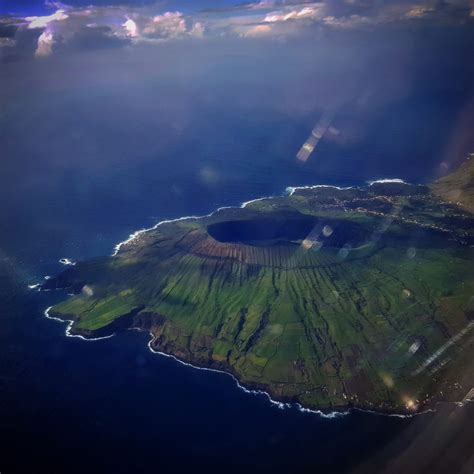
277	294
144	321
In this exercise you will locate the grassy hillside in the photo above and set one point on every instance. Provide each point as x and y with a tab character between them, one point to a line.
458	187
327	297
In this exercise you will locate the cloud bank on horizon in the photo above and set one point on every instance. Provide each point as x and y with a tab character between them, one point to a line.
68	27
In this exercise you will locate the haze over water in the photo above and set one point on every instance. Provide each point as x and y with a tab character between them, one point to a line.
100	139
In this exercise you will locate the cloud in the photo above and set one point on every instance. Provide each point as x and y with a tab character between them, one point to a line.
45	45
44	21
57	5
7	42
131	28
46	39
118	25
257	30
352	21
361	14
418	11
197	30
272	4
168	25
309	12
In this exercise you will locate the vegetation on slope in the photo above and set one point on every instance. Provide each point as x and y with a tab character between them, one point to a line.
458	187
327	297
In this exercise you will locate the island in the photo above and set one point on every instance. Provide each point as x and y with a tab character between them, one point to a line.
326	297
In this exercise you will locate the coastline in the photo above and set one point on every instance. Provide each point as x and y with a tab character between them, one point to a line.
289	191
249	388
387	180
70	325
135	234
246	387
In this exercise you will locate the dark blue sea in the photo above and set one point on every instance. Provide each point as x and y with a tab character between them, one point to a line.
67	405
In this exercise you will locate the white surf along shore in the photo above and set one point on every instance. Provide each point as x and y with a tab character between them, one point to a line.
387	180
69	325
289	191
275	403
135	234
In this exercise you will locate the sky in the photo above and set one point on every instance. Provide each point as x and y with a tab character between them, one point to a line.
54	26
39	7
115	114
388	82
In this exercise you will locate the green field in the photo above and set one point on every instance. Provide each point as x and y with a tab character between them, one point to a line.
328	297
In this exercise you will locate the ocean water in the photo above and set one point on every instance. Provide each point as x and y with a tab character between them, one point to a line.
68	405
